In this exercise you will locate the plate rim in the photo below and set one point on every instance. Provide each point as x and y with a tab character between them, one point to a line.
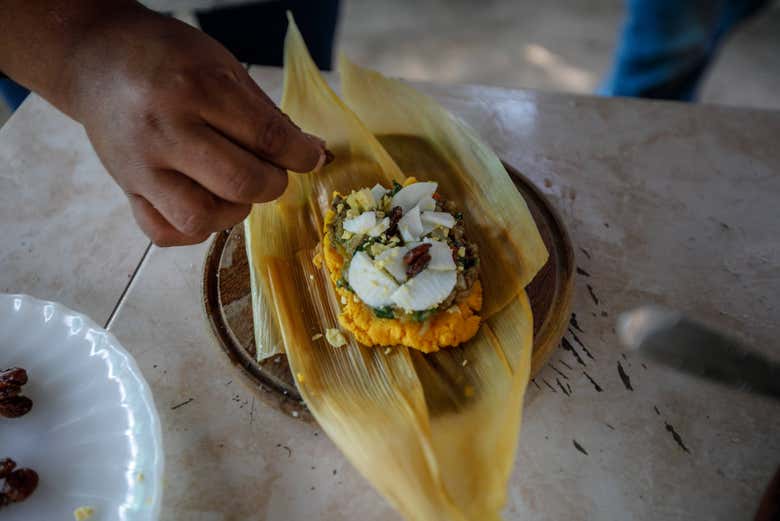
117	349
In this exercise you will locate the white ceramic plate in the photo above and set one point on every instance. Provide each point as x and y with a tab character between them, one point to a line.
93	434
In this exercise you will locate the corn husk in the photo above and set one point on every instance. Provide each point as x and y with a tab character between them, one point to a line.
434	434
360	161
430	143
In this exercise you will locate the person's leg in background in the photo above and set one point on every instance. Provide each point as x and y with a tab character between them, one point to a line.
12	93
254	32
667	45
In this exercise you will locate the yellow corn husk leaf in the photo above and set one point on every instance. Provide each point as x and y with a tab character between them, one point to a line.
360	160
475	410
428	142
267	336
297	217
436	436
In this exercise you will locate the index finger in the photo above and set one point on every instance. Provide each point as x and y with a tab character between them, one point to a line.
248	117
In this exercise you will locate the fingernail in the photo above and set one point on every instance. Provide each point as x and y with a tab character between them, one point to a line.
320	162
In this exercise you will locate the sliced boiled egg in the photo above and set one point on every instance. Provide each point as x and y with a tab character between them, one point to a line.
427	228
443	219
380	227
361	224
432	220
410	196
427	204
378	191
372	285
427	290
441	256
392	261
410	224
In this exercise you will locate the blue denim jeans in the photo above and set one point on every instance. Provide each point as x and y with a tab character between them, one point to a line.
667	45
13	94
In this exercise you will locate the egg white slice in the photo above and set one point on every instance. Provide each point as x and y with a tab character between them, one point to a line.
372	285
441	256
380	227
410	225
427	290
438	219
427	204
392	261
427	228
378	191
410	196
362	223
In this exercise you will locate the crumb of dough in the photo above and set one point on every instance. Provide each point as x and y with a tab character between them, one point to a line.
83	513
335	337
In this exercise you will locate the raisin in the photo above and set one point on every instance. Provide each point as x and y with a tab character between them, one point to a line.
19	485
15	406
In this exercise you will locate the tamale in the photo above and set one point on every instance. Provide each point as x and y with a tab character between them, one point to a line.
435	434
452	152
405	275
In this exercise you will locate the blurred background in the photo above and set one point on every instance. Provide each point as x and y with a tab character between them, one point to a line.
555	45
558	45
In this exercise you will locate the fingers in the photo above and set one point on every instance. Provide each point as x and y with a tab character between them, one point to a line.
156	227
185	206
243	113
224	168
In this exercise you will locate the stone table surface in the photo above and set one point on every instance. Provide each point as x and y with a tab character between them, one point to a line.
666	203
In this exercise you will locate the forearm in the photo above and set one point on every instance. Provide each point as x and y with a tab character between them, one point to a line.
40	41
173	116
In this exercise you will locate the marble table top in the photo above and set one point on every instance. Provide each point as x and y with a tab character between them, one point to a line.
666	203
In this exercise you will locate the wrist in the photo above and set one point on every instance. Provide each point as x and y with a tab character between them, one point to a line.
98	56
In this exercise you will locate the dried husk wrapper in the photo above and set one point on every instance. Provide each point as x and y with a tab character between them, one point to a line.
435	434
432	144
294	222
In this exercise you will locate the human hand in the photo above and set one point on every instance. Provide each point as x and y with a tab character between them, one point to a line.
180	125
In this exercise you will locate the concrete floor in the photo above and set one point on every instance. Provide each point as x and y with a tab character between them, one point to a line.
557	45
